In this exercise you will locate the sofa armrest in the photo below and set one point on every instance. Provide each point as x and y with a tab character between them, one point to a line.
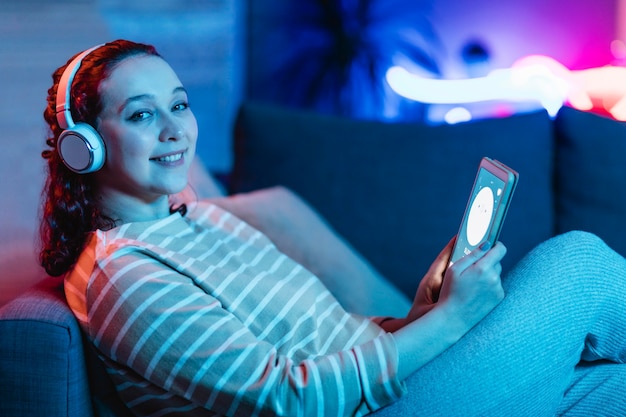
42	364
46	368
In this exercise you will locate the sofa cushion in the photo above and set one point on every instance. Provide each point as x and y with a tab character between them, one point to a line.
297	230
397	191
591	175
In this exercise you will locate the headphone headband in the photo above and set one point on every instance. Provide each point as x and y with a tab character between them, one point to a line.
80	146
63	113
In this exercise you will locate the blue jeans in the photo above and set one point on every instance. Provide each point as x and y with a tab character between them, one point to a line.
556	345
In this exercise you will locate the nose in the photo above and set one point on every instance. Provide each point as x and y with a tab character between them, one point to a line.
171	129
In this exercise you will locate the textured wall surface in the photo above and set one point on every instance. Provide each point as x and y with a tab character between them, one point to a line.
36	37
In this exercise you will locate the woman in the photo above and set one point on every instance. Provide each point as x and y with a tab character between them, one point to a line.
194	312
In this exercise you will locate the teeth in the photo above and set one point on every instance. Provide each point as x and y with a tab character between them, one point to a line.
170	158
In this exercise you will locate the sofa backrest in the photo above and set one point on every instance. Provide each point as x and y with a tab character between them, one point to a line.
397	191
590	176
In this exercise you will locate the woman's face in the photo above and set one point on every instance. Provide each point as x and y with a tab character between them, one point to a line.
148	129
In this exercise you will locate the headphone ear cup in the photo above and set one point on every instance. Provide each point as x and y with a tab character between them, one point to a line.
81	148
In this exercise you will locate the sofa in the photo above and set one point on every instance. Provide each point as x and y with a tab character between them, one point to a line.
394	191
397	191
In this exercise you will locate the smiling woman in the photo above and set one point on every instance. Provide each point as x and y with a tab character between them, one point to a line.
150	135
194	311
144	129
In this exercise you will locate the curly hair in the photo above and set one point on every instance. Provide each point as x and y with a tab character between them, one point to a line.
70	208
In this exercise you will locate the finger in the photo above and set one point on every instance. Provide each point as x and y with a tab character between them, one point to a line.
484	257
495	254
447	250
440	264
498	268
472	257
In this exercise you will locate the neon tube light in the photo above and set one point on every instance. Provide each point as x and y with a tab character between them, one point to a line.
528	83
534	78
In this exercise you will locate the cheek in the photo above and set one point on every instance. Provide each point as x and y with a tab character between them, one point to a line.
192	128
122	146
133	145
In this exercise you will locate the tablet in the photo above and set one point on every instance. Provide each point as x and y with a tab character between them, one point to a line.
486	208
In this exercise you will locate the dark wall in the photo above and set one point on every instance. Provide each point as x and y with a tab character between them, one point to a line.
310	54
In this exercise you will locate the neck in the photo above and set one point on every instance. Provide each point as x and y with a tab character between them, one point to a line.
127	209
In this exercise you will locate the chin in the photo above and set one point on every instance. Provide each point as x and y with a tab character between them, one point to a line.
177	190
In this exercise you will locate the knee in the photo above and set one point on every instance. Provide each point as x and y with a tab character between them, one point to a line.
577	244
564	246
579	239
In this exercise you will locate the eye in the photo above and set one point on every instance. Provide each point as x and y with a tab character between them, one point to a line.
181	106
139	115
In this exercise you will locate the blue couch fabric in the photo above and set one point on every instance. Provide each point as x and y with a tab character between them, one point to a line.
46	368
591	176
44	356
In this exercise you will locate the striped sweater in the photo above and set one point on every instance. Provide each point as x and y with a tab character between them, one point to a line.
201	315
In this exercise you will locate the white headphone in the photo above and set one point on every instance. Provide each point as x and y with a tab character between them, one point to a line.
80	146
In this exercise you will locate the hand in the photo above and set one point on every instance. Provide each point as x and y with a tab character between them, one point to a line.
472	286
428	290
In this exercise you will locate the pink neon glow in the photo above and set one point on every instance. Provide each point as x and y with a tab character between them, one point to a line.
601	89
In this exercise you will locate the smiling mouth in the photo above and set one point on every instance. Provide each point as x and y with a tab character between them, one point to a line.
169	158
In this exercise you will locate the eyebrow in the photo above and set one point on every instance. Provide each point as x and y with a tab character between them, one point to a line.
139	97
